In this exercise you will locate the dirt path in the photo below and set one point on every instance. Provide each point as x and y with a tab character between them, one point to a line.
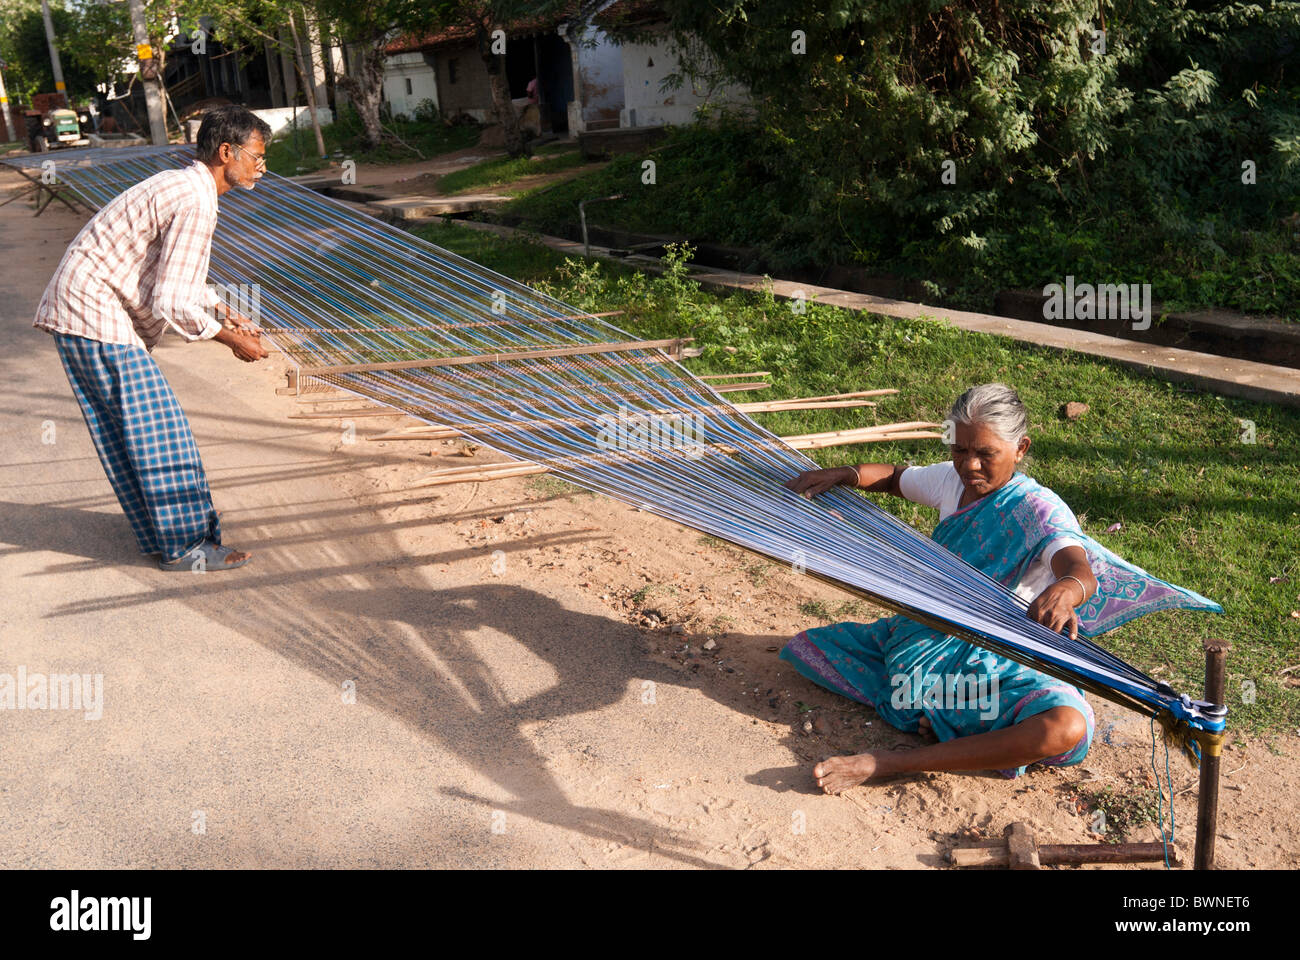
515	705
421	177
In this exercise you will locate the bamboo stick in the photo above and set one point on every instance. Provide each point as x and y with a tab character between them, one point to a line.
349	414
339	396
672	343
307	331
776	406
484	472
849	396
877	428
871	438
446	431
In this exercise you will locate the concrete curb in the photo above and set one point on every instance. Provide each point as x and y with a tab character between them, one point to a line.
1247	379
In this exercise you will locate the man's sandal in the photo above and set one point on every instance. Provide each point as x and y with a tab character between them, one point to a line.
206	556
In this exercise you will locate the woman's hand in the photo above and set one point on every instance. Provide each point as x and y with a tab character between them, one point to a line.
812	482
1054	607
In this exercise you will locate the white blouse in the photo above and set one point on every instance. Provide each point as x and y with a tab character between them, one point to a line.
939	485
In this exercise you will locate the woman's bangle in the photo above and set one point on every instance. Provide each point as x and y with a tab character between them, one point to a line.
855	479
1082	589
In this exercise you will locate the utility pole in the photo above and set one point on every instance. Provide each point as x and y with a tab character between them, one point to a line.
4	105
54	52
148	74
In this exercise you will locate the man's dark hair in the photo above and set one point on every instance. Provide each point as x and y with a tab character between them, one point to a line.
229	124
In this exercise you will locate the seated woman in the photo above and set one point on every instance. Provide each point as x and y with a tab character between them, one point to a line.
1025	537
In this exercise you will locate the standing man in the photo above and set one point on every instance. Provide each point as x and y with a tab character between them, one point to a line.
137	268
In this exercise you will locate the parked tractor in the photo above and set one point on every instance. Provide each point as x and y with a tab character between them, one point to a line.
56	126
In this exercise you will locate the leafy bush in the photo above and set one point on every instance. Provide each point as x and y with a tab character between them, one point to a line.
426	111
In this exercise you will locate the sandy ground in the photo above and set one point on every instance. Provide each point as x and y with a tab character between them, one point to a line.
542	679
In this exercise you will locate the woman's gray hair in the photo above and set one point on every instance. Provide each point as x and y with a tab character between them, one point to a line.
995	405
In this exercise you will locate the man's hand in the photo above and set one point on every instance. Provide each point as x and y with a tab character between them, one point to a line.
812	482
245	345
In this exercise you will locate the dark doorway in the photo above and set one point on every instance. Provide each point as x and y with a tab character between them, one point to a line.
555	78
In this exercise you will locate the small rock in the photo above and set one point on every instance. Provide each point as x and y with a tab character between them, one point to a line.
820	725
1073	410
710	644
677	628
807	726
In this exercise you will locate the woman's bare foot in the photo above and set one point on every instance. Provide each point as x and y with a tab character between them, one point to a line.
839	773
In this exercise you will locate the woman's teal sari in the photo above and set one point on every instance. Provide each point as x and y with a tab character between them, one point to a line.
906	670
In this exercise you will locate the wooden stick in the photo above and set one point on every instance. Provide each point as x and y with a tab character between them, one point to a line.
672	343
1053	853
348	414
341	398
848	396
867	438
482	472
307	331
878	428
292	388
1207	806
444	431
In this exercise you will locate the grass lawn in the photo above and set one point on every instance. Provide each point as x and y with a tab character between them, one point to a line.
551	158
293	153
1196	504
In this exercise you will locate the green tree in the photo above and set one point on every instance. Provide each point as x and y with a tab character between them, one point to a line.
897	122
238	23
23	46
367	27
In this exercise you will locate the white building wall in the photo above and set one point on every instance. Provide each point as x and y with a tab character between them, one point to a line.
645	67
281	119
597	81
412	67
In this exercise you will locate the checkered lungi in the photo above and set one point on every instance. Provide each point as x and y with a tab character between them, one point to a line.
145	443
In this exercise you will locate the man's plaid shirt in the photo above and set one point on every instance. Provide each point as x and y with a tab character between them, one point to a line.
140	265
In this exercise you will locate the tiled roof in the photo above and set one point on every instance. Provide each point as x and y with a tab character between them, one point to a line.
460	35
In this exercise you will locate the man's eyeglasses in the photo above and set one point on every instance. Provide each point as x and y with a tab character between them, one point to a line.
259	159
